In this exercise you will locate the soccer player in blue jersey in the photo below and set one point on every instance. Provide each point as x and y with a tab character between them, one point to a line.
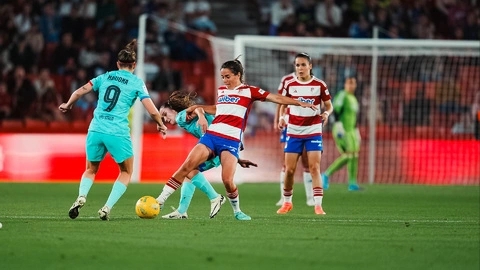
174	112
109	131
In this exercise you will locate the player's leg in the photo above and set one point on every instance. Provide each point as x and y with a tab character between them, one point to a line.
229	165
314	158
338	163
293	150
197	155
186	195
122	152
95	151
199	180
283	137
353	147
307	179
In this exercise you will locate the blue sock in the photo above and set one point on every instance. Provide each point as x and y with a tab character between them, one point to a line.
201	182
85	185
117	191
185	196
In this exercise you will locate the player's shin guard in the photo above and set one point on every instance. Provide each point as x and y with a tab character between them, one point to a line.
186	196
202	183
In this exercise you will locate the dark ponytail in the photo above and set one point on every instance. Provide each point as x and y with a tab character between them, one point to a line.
127	56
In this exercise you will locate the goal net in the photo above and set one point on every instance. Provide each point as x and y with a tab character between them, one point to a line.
419	100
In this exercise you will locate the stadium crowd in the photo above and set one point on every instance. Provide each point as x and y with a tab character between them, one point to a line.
417	19
49	48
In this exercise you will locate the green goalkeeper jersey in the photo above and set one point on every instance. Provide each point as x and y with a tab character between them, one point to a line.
346	109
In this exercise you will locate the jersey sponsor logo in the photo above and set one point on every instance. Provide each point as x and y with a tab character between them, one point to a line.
306	100
228	99
106	117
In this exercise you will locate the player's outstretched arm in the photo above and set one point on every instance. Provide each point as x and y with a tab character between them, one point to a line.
76	95
279	99
154	114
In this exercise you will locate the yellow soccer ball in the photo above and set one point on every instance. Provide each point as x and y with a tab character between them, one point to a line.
147	207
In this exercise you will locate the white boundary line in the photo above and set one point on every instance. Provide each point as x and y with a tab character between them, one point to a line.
325	220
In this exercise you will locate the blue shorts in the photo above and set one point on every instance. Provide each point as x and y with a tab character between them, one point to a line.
283	135
296	145
98	144
219	144
209	164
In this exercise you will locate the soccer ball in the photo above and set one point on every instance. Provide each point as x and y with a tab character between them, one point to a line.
147	207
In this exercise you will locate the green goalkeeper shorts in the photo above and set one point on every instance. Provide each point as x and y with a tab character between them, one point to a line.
348	142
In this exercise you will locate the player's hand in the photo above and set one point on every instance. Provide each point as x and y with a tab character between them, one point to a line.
202	122
163	130
281	123
308	105
339	130
324	116
64	108
245	163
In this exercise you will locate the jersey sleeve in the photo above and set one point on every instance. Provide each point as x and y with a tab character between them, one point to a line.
143	93
191	126
97	81
325	94
258	94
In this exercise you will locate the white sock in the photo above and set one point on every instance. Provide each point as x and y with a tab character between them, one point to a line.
287	196
166	192
318	200
234	200
307	181
282	179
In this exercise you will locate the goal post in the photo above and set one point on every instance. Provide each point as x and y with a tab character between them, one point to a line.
414	95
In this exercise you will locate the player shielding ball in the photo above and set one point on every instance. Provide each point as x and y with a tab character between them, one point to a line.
109	131
346	135
174	112
224	136
304	129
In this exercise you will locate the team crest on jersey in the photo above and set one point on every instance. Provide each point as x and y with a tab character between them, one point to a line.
228	99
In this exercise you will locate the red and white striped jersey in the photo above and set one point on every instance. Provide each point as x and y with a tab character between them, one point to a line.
304	122
233	107
284	80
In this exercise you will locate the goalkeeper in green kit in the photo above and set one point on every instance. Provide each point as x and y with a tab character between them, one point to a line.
345	134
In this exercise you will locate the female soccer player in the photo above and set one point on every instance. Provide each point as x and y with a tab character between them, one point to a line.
109	130
307	177
346	135
304	129
223	137
174	112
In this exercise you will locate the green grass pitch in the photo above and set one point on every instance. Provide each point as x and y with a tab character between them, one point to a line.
382	227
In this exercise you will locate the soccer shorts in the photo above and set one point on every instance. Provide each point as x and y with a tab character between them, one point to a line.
283	135
98	144
219	144
349	142
209	164
296	145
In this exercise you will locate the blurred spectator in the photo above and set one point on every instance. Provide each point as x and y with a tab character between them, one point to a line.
25	20
329	16
34	39
417	111
50	24
166	81
180	48
106	11
43	82
288	27
88	54
360	29
5	101
305	13
88	10
472	25
73	23
424	29
64	51
279	11
101	66
22	93
197	13
48	105
21	54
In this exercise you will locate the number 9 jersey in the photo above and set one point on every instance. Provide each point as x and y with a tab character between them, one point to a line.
117	92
